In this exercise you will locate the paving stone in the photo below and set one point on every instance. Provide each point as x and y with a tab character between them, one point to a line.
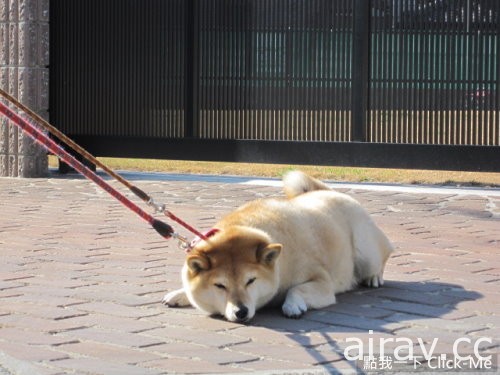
285	367
110	352
31	353
345	320
295	354
133	340
190	366
92	365
223	357
198	336
45	325
426	310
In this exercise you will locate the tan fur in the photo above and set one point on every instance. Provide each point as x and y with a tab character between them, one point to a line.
298	252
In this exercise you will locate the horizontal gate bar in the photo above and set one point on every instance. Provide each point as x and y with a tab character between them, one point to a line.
354	154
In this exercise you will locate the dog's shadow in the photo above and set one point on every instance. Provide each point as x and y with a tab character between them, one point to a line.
382	309
398	309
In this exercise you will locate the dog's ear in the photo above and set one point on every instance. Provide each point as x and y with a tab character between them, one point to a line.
268	253
197	263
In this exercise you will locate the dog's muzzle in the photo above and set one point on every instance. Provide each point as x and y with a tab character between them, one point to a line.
237	313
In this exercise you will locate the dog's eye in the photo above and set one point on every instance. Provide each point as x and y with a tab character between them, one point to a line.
249	282
220	286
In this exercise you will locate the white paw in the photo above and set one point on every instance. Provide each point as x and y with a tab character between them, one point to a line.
294	307
177	298
374	281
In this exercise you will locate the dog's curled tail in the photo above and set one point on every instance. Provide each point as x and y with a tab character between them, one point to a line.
296	183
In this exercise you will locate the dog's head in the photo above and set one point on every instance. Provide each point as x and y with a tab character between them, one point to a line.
233	273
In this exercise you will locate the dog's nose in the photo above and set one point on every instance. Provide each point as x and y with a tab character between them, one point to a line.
242	312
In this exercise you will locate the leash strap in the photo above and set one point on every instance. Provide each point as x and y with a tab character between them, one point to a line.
41	138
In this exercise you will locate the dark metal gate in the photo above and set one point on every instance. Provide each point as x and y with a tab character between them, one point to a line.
377	83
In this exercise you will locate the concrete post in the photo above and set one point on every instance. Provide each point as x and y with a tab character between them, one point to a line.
24	73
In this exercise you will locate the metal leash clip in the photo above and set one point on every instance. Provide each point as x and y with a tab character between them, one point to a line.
183	243
158	208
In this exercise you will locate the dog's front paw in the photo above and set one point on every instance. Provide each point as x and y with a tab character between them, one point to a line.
177	298
294	307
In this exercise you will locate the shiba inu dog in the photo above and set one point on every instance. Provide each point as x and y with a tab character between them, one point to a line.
298	252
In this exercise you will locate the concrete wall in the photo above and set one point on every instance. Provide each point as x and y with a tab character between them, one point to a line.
24	73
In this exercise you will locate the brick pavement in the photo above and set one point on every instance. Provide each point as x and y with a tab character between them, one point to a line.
81	280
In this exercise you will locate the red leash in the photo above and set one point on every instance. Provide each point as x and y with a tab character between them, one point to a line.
41	138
